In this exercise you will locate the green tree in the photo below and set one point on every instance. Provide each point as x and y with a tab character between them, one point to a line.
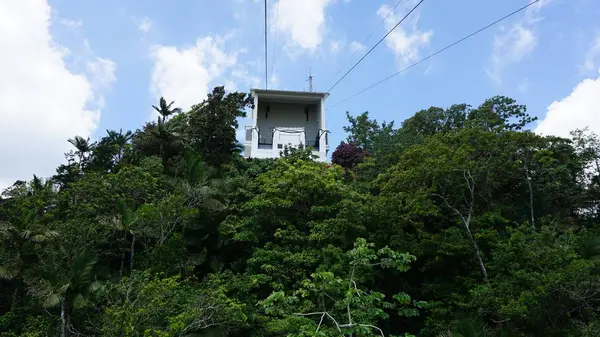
153	305
83	146
213	124
67	285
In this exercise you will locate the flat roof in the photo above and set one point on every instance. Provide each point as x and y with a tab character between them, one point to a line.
288	94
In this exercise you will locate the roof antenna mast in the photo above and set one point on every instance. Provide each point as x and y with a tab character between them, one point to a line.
310	80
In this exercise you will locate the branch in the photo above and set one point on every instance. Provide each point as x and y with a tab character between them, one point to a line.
322	313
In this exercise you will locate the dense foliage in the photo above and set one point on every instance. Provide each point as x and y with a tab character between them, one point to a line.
458	223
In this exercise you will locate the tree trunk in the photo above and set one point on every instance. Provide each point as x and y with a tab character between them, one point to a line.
63	320
477	254
122	264
132	253
123	257
528	179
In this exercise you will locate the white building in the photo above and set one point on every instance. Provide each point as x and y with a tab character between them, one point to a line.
283	118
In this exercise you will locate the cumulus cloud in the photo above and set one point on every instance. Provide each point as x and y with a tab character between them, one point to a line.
514	43
578	110
186	75
303	22
407	40
44	103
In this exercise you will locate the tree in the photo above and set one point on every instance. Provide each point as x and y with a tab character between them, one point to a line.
347	155
83	147
120	141
329	304
367	133
165	110
186	308
213	124
67	286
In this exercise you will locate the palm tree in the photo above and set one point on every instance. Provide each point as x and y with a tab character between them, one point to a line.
17	234
119	140
165	109
126	223
202	187
83	146
70	286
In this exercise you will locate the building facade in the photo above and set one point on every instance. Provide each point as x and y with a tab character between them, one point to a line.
292	118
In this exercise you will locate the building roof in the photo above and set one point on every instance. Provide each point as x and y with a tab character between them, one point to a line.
288	95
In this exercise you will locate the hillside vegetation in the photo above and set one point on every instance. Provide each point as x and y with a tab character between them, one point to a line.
458	222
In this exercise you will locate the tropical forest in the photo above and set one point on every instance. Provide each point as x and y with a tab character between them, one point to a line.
456	222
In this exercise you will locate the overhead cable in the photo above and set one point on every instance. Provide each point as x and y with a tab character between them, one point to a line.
266	54
367	38
377	44
438	52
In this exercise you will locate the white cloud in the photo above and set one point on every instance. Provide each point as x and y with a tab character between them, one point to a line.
335	46
513	44
406	40
71	23
356	46
592	54
44	103
303	22
578	110
102	71
510	47
186	74
145	25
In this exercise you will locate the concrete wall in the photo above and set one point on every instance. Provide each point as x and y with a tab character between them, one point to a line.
288	115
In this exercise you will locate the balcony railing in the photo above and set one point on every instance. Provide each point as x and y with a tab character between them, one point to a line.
267	143
249	131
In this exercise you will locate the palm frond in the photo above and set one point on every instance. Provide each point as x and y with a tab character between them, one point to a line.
95	285
471	327
82	266
79	301
52	300
212	204
25	234
6	274
63	289
40	237
124	212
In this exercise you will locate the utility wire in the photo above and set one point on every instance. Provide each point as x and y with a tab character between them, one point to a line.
377	44
438	52
266	53
274	38
367	38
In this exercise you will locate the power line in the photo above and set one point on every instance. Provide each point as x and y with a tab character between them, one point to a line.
375	46
368	37
438	52
266	52
274	38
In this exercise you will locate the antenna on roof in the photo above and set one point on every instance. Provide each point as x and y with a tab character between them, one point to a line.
310	80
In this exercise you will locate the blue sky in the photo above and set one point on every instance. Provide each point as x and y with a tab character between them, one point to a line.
86	66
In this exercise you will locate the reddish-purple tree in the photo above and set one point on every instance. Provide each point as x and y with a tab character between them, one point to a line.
347	155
